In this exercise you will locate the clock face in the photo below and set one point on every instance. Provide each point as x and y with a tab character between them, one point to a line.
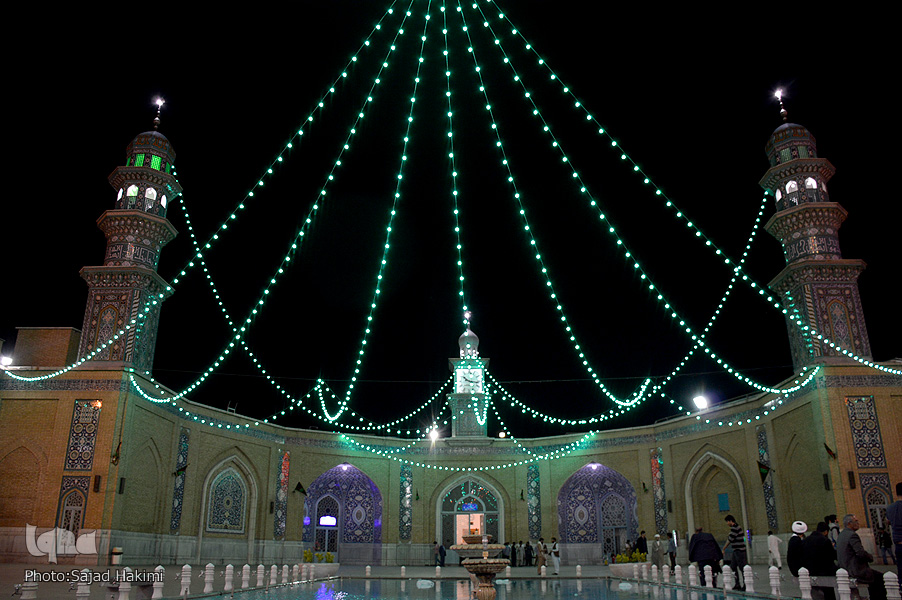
469	381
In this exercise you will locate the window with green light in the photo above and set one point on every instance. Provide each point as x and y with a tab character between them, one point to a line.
139	160
803	151
785	155
155	162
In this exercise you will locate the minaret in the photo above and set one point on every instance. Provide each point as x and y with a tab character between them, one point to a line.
818	284
136	230
469	401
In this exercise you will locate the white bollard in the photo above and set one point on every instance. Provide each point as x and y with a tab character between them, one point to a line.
294	572
369	570
125	585
693	575
654	573
29	590
438	571
579	571
678	575
403	571
544	569
644	571
157	585
245	577
842	584
403	585
83	591
229	576
579	587
709	576
728	582
635	571
774	574
260	581
284	574
748	579
273	575
312	571
805	583
665	574
185	588
891	581
507	571
208	578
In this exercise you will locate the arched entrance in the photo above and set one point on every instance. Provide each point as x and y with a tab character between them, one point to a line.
469	506
344	516
597	505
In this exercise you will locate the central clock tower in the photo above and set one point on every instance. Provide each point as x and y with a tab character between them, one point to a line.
469	401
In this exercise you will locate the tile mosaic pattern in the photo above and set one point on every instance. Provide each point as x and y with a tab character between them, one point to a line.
865	432
227	503
359	499
178	489
596	489
657	486
876	492
280	510
770	499
405	520
470	491
82	435
533	502
73	502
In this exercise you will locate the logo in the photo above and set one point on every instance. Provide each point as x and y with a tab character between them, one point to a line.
59	542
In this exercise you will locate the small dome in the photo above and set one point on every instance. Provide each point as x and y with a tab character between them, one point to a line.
790	141
469	344
152	142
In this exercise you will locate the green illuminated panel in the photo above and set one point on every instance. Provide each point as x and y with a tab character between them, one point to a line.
155	162
139	160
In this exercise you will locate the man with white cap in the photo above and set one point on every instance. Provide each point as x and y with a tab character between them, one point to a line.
657	552
794	547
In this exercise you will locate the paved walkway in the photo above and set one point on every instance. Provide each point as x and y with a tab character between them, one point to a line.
10	575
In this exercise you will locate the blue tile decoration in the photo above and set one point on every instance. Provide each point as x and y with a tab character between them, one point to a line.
73	502
770	499
178	489
359	501
227	503
659	491
470	495
877	495
405	521
82	435
280	508
865	432
533	502
596	490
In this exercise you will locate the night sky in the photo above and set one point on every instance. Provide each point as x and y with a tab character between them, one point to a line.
687	96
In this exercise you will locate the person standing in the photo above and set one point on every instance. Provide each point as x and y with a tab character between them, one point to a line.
657	552
852	557
514	554
794	547
704	550
555	556
885	545
521	556
435	552
642	544
527	554
672	550
819	557
736	540
540	555
894	516
833	533
773	550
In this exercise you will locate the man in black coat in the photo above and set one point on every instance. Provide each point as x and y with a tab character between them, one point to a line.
704	550
852	557
819	557
794	547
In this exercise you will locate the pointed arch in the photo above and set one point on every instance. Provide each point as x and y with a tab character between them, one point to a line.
145	501
484	497
712	459
597	505
21	471
239	464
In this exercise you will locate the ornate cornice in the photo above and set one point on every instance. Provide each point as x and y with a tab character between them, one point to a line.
798	166
148	227
135	277
123	175
844	270
805	216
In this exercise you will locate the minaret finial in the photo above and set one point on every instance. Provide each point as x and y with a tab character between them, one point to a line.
779	96
156	121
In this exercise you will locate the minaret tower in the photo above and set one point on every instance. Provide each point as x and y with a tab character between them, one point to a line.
136	229
469	401
818	285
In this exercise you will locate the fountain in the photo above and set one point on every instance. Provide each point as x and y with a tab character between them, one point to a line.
475	551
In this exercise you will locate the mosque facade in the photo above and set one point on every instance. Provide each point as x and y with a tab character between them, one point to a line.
171	481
